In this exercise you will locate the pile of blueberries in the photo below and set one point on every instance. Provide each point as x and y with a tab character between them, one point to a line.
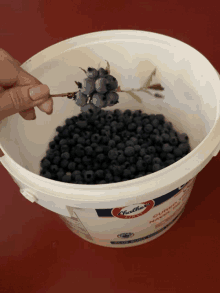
97	90
112	146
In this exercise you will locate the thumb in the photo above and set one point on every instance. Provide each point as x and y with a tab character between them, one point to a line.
21	98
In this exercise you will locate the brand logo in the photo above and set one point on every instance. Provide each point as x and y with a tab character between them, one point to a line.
133	211
125	235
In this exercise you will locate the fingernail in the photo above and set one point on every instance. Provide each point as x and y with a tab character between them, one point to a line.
39	92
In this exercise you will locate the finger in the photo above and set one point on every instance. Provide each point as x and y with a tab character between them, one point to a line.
28	114
24	78
19	99
12	74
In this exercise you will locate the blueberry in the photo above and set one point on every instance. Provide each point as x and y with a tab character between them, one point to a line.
81	124
59	129
158	148
178	158
57	138
102	182
127	112
165	137
139	129
132	126
141	165
137	148
65	133
142	152
94	145
177	152
147	159
52	144
89	176
75	173
66	178
121	146
64	163
111	143
95	138
45	163
165	130
88	86
64	148
112	82
121	159
113	154
99	174
173	141
184	147
138	121
56	160
47	175
92	72
105	165
129	151
160	118
183	137
99	100
167	148
60	174
77	130
148	128
86	160
156	167
156	131
76	136
129	143
117	170
112	98
90	108
65	155
100	157
163	155
101	85
71	128
78	179
117	179
108	177
168	125
102	72
127	173
156	160
155	123
151	150
63	142
169	162
54	168
99	149
72	166
134	140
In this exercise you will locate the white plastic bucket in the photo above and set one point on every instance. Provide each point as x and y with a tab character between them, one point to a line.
136	211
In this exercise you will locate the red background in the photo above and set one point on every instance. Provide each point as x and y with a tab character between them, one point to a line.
38	254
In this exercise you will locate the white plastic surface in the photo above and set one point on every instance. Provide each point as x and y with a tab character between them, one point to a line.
27	194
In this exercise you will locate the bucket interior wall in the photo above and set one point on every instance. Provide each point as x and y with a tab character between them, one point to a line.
190	102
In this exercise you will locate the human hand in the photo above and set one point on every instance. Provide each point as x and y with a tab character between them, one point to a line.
20	92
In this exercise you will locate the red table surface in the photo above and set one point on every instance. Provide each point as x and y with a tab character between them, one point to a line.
38	253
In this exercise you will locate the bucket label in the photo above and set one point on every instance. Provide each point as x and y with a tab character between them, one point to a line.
148	236
130	225
133	211
137	210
